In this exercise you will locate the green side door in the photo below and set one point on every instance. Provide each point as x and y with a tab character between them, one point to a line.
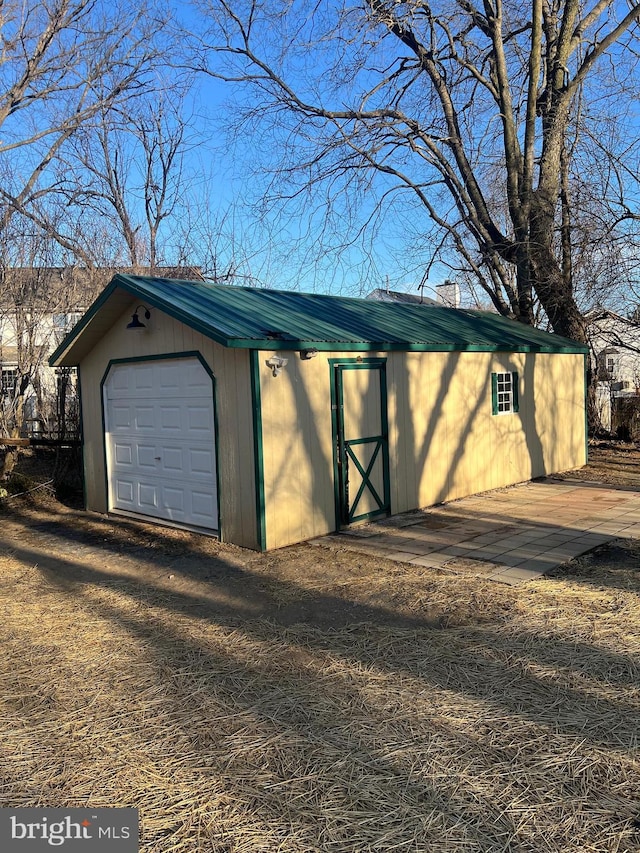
361	439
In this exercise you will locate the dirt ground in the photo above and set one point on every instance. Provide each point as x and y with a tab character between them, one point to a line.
314	699
616	463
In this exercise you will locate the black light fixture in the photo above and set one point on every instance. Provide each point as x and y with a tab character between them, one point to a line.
136	322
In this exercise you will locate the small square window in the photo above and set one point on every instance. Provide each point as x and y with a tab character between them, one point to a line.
504	393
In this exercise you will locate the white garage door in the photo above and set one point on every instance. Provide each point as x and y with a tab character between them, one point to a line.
160	441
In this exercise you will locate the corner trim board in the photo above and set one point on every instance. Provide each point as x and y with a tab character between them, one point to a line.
258	451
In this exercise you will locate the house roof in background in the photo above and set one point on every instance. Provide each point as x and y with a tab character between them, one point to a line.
254	318
599	313
69	288
381	295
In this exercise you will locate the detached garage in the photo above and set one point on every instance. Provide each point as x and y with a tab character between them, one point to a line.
270	417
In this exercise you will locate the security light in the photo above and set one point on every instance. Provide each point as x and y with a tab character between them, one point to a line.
136	322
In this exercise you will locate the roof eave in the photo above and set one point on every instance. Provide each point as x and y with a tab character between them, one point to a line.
396	346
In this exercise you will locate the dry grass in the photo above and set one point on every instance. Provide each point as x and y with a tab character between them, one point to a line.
507	722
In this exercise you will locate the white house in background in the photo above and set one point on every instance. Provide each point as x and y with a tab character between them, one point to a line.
28	386
615	348
38	308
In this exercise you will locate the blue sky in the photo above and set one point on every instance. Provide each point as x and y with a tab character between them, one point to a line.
293	244
278	247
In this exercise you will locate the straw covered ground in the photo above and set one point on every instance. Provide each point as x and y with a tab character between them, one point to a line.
313	699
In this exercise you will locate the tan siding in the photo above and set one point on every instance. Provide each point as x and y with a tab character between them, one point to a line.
243	516
445	442
234	414
397	485
562	438
455	444
298	461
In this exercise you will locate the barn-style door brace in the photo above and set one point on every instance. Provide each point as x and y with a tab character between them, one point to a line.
367	482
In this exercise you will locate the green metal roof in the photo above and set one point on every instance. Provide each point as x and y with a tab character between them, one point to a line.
286	320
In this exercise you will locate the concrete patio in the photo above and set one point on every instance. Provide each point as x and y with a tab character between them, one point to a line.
509	535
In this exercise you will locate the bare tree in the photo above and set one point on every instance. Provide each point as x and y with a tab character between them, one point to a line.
477	109
62	63
140	197
128	168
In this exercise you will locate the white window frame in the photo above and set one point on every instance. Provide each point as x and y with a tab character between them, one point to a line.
504	393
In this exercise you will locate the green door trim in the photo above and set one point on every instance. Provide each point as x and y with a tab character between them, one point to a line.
344	510
258	450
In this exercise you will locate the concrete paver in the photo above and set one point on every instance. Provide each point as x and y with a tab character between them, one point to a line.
512	535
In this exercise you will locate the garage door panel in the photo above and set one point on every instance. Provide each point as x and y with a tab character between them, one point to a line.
121	381
170	418
123	454
146	456
172	460
199	421
201	462
144	418
195	378
142	378
161	450
182	504
125	491
148	495
170	377
181	462
157	381
202	505
122	417
173	499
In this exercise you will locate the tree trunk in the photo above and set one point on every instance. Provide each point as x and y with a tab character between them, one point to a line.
553	288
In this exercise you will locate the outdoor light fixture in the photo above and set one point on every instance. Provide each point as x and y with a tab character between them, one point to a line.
277	364
306	354
136	322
